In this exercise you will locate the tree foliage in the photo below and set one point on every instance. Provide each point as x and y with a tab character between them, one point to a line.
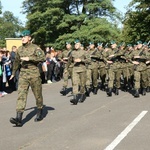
53	22
137	21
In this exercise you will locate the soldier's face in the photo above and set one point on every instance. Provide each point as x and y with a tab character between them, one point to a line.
139	46
26	39
77	45
68	46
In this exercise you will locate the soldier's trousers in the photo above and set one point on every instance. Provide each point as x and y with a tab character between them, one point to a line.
102	74
114	75
23	87
91	75
148	77
66	76
78	77
140	79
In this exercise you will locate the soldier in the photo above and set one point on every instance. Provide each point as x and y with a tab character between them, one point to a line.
114	71
27	58
92	69
138	58
78	58
64	56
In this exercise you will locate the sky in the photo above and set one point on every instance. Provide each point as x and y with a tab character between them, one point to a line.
15	7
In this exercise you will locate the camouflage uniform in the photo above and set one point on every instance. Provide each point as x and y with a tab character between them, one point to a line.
140	73
29	75
67	71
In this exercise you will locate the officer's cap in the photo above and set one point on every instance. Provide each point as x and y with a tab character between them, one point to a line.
139	42
68	43
77	41
145	43
25	33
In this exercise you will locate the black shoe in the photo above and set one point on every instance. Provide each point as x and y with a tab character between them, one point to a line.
87	93
148	89
95	90
82	98
143	91
116	91
63	91
109	92
74	101
136	94
18	120
39	115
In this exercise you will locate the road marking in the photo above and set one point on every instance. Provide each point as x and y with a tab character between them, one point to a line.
124	133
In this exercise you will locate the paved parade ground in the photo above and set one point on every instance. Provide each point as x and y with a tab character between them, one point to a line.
119	122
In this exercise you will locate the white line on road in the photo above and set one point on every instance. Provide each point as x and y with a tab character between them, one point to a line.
124	133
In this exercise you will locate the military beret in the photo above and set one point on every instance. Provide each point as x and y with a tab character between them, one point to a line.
139	42
25	33
90	43
76	41
99	44
145	43
129	45
112	42
68	43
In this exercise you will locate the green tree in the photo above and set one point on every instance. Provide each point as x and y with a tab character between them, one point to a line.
137	21
52	22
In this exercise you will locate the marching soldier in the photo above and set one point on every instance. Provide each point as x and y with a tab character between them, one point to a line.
27	58
78	58
64	56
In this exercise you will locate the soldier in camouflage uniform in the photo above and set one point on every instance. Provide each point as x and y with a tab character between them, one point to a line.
138	58
92	70
115	69
64	58
27	58
78	58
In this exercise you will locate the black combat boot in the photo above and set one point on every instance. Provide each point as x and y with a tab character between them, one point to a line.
18	120
82	98
143	91
148	89
74	101
39	115
109	91
87	92
116	91
136	94
95	90
63	91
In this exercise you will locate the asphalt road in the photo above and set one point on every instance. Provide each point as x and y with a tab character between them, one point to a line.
119	122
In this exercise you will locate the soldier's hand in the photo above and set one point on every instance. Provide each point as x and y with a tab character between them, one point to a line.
111	56
65	58
25	58
136	56
147	62
109	62
77	60
135	62
11	77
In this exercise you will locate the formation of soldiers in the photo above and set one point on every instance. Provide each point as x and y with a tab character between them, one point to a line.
117	67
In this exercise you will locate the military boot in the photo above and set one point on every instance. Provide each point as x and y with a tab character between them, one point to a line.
116	91
82	98
109	91
143	91
87	92
18	120
148	89
63	91
95	90
39	115
74	101
136	94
